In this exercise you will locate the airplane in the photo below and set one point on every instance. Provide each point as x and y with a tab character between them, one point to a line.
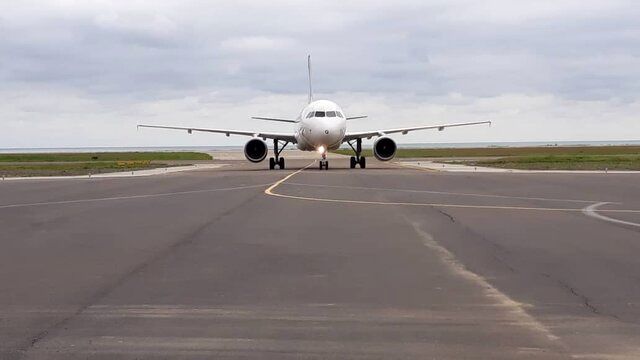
321	126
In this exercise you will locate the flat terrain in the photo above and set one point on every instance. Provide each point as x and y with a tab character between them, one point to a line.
380	263
532	158
104	156
563	162
507	151
59	164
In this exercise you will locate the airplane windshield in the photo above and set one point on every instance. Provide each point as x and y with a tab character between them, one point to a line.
331	114
319	113
339	114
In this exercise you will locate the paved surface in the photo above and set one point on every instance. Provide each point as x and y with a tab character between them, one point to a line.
452	167
121	174
381	263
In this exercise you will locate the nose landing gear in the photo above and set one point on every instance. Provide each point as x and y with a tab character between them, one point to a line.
324	163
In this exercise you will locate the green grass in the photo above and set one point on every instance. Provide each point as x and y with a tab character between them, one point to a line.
74	168
57	164
507	151
105	156
534	158
564	162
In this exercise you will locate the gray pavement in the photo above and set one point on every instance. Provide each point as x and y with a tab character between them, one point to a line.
381	263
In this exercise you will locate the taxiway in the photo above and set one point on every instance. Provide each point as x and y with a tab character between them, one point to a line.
387	262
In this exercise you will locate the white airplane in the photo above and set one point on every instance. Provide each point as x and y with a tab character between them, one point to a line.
321	126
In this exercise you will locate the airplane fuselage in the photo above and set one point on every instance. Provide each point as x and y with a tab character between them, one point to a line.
321	126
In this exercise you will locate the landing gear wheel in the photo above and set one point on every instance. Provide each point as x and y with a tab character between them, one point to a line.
277	149
324	164
357	160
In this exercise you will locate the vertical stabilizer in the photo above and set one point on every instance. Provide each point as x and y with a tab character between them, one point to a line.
310	88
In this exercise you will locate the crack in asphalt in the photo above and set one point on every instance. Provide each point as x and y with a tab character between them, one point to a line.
470	231
584	298
447	215
586	302
496	246
101	294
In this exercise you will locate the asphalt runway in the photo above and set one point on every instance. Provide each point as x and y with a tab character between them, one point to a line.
379	263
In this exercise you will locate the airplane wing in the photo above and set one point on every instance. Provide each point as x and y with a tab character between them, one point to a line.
265	135
369	134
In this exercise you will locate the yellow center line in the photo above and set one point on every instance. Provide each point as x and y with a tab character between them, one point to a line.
270	191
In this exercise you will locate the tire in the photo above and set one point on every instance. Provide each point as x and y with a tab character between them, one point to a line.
281	163
363	162
326	165
321	165
352	162
272	163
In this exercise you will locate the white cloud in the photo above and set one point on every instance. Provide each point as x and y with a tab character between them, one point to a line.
256	44
85	72
77	121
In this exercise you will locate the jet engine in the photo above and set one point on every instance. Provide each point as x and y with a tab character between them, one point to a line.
384	148
255	150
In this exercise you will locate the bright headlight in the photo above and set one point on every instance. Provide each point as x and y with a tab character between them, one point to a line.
321	149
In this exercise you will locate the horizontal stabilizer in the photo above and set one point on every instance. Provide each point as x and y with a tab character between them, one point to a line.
274	119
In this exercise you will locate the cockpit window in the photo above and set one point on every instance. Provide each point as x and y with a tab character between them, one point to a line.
319	113
331	114
339	114
310	114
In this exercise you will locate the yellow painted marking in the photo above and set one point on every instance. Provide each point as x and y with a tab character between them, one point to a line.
270	191
444	193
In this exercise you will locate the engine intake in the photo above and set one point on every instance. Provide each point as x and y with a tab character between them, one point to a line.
255	150
384	148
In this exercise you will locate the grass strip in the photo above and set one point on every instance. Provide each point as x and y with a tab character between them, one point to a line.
105	156
74	168
564	162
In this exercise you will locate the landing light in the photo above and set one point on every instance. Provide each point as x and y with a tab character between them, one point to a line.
321	149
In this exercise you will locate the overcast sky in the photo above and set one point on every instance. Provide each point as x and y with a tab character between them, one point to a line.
84	73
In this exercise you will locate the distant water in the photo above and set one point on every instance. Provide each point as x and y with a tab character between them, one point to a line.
407	146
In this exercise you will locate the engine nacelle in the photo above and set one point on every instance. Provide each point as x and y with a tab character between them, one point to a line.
384	148
255	150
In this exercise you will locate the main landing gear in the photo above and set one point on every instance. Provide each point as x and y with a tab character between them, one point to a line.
276	151
357	160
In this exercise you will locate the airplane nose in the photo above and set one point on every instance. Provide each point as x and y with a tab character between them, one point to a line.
326	136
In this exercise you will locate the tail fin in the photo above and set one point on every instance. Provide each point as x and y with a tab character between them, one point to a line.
310	88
